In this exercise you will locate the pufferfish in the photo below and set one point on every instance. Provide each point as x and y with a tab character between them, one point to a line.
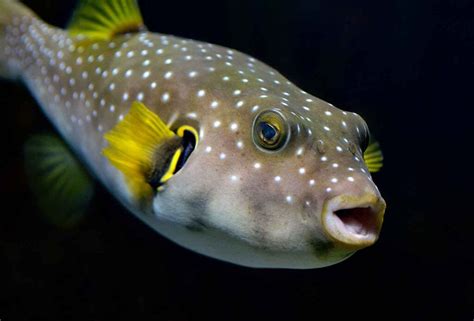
210	147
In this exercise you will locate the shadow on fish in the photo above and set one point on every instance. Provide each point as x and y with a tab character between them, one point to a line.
211	148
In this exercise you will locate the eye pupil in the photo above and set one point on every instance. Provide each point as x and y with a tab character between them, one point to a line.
268	131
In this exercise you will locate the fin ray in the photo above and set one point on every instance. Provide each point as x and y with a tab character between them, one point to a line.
373	157
134	152
102	20
60	185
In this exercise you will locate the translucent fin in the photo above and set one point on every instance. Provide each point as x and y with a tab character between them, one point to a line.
61	186
373	157
104	19
142	147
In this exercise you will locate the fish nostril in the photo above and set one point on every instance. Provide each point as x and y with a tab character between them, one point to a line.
359	220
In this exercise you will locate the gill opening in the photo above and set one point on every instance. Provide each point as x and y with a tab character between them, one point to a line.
177	159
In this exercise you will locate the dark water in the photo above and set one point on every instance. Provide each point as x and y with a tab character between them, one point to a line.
404	65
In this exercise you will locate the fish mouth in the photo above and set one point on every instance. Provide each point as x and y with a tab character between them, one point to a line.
353	222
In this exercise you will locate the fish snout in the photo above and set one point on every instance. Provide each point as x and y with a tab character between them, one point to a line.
353	221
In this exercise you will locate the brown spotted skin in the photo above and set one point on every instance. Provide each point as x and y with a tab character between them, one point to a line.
232	200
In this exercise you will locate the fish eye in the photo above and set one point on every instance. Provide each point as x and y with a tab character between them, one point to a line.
270	130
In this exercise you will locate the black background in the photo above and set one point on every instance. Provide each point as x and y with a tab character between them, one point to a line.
406	66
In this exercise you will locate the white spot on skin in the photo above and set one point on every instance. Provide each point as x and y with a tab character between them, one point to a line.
192	74
208	149
334	180
339	149
128	73
140	96
302	170
153	85
240	144
168	75
350	179
328	113
222	156
234	127
201	93
214	104
277	179
328	190
257	165
165	97
217	124
312	182
326	128
237	92
289	199
234	178
146	74
125	97
239	104
335	165
324	158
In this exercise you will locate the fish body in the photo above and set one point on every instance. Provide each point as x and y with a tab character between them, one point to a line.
306	200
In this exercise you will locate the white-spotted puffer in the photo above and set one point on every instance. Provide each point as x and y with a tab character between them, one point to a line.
213	149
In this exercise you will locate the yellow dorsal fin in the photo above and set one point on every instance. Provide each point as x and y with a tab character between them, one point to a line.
373	157
104	19
134	144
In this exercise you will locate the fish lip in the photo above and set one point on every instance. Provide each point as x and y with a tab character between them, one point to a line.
344	234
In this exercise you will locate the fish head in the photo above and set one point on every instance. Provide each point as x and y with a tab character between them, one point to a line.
276	186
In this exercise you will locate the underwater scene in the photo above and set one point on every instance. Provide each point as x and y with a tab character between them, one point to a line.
236	160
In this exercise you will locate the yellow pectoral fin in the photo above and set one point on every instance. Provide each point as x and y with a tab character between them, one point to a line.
134	146
373	157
